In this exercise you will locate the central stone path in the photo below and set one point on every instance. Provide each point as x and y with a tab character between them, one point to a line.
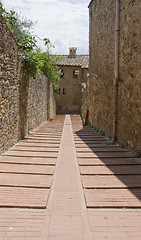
68	219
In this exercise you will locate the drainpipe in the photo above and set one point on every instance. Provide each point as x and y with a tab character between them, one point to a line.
117	29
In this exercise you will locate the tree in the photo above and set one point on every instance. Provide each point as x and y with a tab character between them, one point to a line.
33	58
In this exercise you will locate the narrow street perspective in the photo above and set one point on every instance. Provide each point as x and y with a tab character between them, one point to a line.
66	181
70	120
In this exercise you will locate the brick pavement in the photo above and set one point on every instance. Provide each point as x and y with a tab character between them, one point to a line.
111	179
65	181
26	170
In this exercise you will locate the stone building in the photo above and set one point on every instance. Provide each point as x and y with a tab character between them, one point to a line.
114	97
74	69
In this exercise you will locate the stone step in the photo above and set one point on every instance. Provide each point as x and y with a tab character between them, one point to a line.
39	140
95	150
31	154
26	169
95	137
52	135
42	138
91	140
25	180
17	197
93	145
108	161
28	160
111	181
113	198
111	170
34	149
105	155
44	145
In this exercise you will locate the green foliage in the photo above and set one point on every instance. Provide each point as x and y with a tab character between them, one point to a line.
102	133
33	58
31	62
138	154
122	145
18	25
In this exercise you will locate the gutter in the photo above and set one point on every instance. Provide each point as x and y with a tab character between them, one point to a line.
117	29
90	3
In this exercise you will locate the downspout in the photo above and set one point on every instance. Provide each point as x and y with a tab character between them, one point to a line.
117	29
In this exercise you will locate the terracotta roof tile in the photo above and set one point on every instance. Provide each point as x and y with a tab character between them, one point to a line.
79	60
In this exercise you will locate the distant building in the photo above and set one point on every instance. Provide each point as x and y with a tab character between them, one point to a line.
74	69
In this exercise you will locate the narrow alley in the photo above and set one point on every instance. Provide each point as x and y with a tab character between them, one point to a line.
66	181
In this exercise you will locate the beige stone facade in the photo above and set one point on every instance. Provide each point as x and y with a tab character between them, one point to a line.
102	70
74	69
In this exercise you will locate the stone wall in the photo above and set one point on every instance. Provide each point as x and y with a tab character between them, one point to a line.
24	103
102	67
9	88
129	91
33	103
51	102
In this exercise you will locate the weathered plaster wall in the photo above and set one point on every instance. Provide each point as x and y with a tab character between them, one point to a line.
24	103
102	67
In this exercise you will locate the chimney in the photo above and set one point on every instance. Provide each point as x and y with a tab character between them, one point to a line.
72	52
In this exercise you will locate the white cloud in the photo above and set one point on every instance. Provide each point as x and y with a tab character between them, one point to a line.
64	22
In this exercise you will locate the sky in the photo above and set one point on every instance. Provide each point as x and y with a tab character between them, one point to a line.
64	22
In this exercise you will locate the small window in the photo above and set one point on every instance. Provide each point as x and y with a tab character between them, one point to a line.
64	91
61	73
75	73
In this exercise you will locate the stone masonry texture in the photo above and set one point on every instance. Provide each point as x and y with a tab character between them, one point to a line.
9	88
33	103
102	15
24	102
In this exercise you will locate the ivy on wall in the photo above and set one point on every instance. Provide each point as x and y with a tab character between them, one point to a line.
33	58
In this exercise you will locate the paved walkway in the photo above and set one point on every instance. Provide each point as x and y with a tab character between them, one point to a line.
65	181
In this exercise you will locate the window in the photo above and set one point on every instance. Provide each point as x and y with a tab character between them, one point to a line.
61	73
64	91
75	73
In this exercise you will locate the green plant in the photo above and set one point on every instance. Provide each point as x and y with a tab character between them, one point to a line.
97	129
33	58
110	137
48	67
138	154
122	145
102	132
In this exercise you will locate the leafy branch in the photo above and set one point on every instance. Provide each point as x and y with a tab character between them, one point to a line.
33	58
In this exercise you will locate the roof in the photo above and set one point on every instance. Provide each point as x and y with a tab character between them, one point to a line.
79	61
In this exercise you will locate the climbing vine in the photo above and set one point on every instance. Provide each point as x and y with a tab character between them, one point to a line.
33	58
